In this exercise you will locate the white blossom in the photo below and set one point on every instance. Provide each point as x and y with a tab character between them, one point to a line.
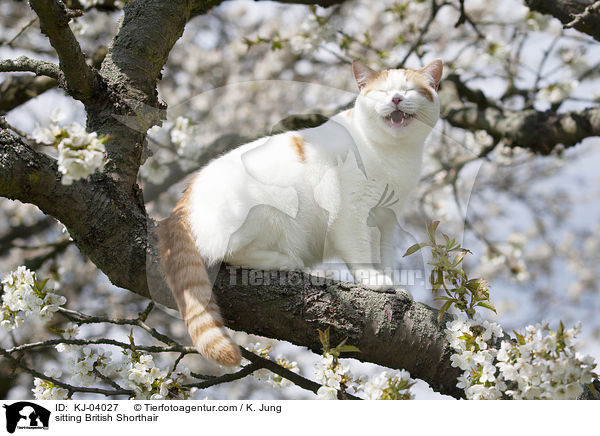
388	385
44	390
541	364
187	144
79	153
154	171
327	393
313	32
23	297
329	372
557	91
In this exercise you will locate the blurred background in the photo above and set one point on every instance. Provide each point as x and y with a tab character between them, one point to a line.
529	213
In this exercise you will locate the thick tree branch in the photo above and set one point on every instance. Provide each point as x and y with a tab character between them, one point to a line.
389	329
141	48
583	15
537	131
54	23
131	70
98	212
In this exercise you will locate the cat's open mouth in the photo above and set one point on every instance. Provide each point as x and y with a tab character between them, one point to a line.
398	118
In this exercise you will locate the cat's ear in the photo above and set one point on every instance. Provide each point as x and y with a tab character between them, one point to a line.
362	73
433	72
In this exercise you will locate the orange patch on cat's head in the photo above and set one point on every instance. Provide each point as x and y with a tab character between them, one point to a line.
375	81
421	83
297	143
426	79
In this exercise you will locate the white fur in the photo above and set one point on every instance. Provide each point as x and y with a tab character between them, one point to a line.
260	206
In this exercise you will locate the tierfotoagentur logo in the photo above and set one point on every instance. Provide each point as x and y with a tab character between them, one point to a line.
26	415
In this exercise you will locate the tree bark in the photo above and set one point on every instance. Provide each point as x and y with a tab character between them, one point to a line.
568	10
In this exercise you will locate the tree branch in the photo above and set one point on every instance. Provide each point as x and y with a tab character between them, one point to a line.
389	329
16	90
23	231
537	131
297	379
140	49
40	68
98	212
54	23
587	13
106	218
583	15
61	384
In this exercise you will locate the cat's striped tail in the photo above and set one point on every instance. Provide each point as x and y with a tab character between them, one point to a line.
187	277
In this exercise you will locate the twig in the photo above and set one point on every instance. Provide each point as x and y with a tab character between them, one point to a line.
297	379
434	10
225	378
70	388
82	318
463	15
102	341
22	231
587	13
58	248
14	38
40	68
106	379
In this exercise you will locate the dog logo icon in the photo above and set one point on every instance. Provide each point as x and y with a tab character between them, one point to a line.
26	415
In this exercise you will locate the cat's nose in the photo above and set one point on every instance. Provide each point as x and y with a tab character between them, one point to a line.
397	99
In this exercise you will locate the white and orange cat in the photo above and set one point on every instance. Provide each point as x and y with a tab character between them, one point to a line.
293	200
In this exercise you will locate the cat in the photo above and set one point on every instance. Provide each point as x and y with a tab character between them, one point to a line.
294	199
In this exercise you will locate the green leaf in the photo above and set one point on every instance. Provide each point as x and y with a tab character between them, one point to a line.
413	249
520	337
324	339
431	228
459	258
487	305
443	299
42	285
341	344
349	349
561	329
443	310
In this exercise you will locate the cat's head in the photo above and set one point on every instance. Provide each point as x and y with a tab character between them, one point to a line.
398	102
